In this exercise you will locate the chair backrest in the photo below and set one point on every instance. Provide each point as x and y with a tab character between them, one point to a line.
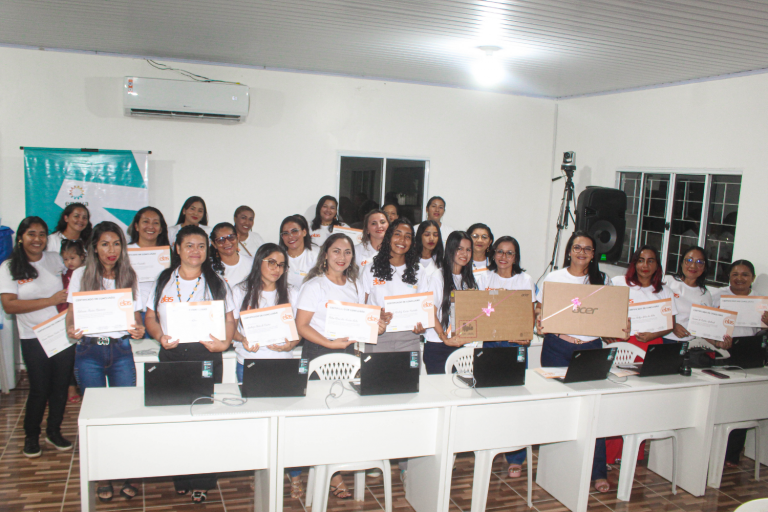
335	366
462	359
626	353
701	342
759	505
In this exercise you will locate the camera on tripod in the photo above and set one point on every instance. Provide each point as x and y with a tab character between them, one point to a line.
569	163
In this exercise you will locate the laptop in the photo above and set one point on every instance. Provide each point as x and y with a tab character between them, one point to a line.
388	373
587	365
746	352
178	382
663	359
496	367
271	378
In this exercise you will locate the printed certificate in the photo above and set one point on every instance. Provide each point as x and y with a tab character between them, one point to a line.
193	322
749	308
653	316
408	310
711	323
358	322
355	234
103	311
148	262
269	326
52	334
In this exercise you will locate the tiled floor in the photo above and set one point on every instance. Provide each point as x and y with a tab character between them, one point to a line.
52	483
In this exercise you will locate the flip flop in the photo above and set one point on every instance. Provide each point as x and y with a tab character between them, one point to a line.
105	489
515	471
602	485
126	487
199	496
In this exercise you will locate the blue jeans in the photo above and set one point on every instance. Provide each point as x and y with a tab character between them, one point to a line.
519	456
94	364
558	352
435	356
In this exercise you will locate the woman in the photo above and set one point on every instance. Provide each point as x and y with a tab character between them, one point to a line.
193	213
266	286
190	278
429	246
482	240
579	267
74	224
435	212
326	216
295	240
148	229
392	212
395	270
455	274
225	258
31	288
375	224
247	240
505	273
108	355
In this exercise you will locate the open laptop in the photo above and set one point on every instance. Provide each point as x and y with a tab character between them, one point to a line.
496	367
589	365
746	352
663	359
178	382
270	378
388	373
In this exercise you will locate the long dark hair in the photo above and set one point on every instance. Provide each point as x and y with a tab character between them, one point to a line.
187	204
317	221
61	225
437	253
593	270
480	225
215	284
133	229
467	276
631	276
214	256
302	222
253	285
93	275
381	266
19	264
702	279
516	268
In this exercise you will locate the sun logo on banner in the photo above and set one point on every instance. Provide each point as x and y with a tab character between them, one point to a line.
76	192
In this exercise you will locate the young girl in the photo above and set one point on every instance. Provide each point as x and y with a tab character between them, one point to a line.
375	224
295	240
226	260
247	240
326	216
73	254
193	213
429	246
74	224
482	240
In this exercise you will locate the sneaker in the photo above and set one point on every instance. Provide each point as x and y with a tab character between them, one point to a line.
58	442
32	447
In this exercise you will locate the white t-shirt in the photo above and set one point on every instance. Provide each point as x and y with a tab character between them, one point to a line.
251	244
316	292
563	276
54	242
144	287
299	267
684	297
377	288
434	284
171	294
479	268
268	299
364	254
48	281
321	234
235	274
493	281
738	331
174	230
75	285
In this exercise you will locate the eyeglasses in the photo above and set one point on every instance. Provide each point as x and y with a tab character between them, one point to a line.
586	250
228	238
691	261
511	254
293	232
273	264
477	236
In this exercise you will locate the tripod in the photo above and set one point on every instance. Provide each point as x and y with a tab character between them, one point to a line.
565	212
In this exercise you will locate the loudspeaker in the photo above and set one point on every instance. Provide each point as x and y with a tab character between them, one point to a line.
600	212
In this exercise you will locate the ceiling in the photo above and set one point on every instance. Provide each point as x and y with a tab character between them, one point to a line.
548	48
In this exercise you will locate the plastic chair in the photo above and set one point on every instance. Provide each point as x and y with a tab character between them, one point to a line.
759	505
701	342
629	460
719	445
626	353
462	359
342	367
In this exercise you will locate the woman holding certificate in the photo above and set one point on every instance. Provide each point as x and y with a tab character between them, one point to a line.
429	246
31	288
247	240
226	259
74	224
189	286
295	240
94	309
326	216
375	224
147	230
193	213
456	274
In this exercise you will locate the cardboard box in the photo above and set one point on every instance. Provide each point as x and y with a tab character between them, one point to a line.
512	318
602	310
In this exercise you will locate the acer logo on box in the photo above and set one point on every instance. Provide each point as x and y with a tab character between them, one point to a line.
585	311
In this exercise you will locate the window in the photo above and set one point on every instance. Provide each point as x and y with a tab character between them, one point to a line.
673	211
367	183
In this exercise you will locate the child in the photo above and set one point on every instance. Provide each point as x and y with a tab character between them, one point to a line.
73	254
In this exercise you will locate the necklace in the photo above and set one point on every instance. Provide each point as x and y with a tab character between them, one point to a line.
178	290
246	249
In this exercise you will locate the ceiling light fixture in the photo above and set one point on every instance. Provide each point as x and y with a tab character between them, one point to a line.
488	71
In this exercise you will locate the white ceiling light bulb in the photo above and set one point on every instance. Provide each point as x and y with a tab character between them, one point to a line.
488	71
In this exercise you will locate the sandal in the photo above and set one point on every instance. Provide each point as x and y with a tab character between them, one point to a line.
297	490
127	489
199	496
602	485
104	489
515	471
731	465
74	399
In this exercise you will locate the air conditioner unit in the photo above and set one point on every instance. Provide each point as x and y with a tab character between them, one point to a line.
185	99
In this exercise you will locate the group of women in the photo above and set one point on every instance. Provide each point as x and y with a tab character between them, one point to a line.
309	266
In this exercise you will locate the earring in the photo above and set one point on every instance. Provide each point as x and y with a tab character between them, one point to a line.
325	265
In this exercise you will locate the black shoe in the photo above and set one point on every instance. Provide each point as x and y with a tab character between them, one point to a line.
58	442
32	447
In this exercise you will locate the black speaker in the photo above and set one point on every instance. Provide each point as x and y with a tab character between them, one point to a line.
600	212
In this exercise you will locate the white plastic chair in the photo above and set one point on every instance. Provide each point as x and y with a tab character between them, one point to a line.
629	460
342	367
759	505
701	342
626	352
463	359
720	443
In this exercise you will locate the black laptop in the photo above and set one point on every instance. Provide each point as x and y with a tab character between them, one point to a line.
746	352
663	359
496	367
178	382
388	373
270	378
589	365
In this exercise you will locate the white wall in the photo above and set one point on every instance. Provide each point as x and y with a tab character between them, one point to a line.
490	153
717	124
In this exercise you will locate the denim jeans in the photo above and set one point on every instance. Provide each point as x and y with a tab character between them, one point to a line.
435	356
94	364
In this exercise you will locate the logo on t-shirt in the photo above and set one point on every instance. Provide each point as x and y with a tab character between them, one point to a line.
315	235
166	299
25	281
377	281
677	296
